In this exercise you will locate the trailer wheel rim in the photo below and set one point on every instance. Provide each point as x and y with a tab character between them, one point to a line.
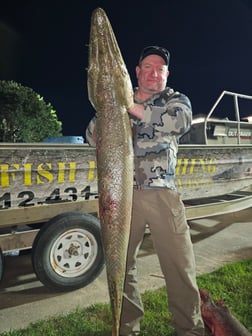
73	253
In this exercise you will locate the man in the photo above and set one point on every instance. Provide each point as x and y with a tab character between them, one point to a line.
160	117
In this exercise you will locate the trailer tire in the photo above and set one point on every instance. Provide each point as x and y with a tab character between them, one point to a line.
1	264
67	252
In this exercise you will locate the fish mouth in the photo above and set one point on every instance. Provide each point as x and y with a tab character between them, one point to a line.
106	65
101	27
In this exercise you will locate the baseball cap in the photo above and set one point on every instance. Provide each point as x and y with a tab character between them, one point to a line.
155	50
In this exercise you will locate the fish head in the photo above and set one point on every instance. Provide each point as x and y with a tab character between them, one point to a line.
204	295
207	304
106	65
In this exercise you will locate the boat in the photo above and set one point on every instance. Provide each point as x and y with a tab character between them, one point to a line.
214	159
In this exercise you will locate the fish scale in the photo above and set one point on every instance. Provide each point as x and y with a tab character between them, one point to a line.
110	92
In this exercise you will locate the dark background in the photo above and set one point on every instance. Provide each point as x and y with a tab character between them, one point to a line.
44	45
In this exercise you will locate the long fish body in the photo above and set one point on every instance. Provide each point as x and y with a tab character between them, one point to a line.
219	319
110	92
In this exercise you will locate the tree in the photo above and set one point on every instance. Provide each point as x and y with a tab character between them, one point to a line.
25	116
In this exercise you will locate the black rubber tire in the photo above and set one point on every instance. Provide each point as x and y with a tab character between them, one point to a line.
1	264
67	252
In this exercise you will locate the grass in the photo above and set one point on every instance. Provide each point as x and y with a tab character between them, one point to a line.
232	282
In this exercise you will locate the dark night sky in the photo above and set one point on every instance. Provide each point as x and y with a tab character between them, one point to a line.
44	46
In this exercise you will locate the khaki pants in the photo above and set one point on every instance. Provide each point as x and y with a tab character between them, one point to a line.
163	210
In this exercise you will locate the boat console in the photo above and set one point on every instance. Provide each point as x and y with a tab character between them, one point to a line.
225	124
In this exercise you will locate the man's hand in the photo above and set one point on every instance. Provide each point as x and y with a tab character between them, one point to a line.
136	110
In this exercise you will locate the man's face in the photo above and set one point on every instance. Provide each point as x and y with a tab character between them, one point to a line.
152	74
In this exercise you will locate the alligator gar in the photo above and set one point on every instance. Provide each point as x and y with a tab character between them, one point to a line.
219	319
110	92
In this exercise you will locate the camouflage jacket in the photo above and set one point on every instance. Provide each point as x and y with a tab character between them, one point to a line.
167	117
